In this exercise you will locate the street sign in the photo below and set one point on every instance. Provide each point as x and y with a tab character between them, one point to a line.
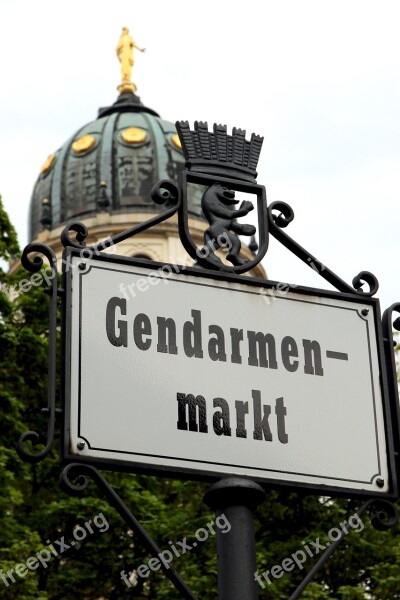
188	371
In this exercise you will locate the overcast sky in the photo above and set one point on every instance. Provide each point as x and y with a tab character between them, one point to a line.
318	79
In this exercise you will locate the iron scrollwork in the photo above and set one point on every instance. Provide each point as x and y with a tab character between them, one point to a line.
390	323
74	480
281	219
384	516
165	193
34	265
224	166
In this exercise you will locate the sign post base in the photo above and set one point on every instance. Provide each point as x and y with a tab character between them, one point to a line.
237	499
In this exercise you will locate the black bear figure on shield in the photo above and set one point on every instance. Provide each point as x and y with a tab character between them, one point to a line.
218	206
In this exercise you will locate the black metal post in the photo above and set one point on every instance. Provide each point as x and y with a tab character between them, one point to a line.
236	499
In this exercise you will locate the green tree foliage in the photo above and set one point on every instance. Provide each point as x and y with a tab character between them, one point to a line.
33	508
8	238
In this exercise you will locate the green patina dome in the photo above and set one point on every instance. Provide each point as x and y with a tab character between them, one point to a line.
109	164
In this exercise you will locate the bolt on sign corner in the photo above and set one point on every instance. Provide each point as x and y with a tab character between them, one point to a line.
193	372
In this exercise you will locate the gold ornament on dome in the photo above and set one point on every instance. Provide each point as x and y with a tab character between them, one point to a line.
176	141
125	48
134	135
48	164
83	144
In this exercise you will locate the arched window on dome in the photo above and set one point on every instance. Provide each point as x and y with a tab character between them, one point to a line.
142	255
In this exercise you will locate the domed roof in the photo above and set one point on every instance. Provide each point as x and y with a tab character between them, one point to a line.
110	164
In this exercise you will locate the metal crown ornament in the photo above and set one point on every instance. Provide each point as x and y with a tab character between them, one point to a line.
218	152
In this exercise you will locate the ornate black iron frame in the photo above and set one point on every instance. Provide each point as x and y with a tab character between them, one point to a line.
125	465
278	217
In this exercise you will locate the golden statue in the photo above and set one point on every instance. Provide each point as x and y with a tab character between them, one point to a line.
125	48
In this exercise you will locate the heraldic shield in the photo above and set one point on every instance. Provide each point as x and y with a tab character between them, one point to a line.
223	167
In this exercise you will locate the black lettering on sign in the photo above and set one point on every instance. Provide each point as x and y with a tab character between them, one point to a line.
221	421
337	355
164	326
192	416
261	426
119	338
262	358
141	328
236	338
281	413
289	351
242	409
312	358
195	408
264	350
192	336
216	346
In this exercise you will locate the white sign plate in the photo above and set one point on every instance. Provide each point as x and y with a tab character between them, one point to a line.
186	373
